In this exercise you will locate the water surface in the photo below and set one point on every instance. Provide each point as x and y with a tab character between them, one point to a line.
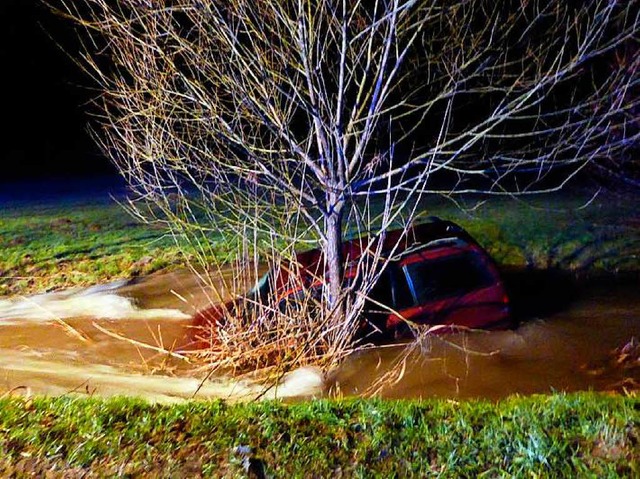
114	339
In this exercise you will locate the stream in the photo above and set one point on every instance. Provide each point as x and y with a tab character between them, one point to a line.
112	340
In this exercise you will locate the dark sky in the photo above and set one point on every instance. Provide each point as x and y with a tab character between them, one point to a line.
43	98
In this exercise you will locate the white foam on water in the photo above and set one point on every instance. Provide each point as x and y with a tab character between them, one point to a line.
304	381
42	376
96	302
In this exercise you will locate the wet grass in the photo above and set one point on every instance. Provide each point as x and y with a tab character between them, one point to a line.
575	435
571	232
57	246
60	246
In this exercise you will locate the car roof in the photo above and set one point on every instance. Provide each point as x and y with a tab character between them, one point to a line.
434	232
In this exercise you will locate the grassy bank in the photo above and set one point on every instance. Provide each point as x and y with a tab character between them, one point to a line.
47	247
549	436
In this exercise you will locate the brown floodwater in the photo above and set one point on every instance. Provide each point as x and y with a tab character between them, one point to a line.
112	340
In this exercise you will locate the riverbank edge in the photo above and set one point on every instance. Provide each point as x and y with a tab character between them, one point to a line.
559	435
51	246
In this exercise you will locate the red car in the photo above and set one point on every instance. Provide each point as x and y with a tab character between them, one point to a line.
438	275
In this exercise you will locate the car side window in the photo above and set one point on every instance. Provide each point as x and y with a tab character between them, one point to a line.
402	297
391	292
381	296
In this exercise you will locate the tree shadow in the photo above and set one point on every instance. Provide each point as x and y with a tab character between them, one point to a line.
539	293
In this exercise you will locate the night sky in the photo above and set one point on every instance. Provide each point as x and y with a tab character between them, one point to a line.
44	96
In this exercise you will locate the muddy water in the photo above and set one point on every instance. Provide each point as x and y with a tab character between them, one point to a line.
574	349
107	340
569	339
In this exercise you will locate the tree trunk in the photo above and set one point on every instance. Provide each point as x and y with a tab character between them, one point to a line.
333	263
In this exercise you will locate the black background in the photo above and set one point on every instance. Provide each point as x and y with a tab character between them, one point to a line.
44	98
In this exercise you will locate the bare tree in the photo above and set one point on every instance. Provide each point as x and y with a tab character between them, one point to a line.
285	121
624	168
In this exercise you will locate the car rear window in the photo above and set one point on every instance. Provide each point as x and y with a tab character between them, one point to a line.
447	276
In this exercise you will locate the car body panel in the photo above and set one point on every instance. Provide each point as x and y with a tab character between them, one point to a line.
436	274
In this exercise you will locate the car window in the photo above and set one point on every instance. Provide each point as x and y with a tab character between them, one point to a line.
390	292
448	276
380	298
260	292
401	293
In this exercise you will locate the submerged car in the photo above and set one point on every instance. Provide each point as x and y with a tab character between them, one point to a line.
434	274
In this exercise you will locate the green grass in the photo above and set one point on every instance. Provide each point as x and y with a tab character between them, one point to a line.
47	248
576	435
563	231
52	247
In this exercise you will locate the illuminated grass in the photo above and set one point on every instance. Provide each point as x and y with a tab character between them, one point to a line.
47	248
574	435
59	246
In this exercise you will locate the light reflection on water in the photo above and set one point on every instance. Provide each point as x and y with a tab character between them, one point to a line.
569	350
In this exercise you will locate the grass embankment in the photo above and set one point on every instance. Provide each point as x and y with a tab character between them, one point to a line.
560	231
545	436
53	247
59	246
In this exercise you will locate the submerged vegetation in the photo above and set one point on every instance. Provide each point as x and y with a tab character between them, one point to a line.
574	435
